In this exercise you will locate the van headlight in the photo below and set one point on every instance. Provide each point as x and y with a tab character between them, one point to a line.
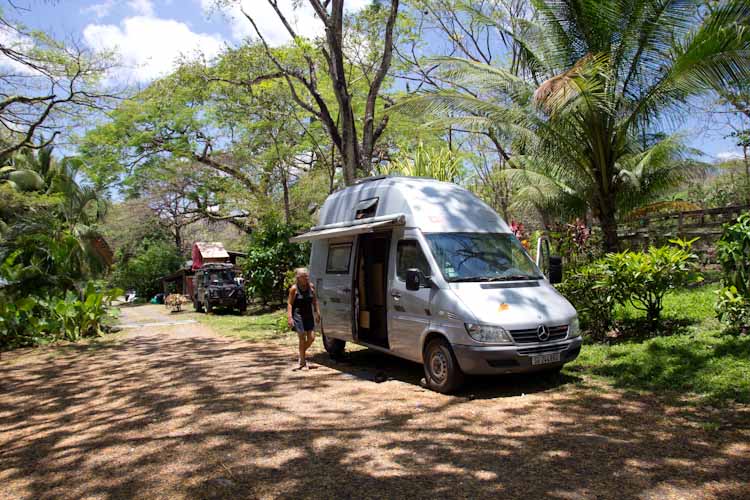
574	329
488	334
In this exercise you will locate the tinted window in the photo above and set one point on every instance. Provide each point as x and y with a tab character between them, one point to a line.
410	256
338	259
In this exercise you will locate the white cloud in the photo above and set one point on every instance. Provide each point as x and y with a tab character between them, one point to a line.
99	9
148	46
12	39
142	7
303	19
728	155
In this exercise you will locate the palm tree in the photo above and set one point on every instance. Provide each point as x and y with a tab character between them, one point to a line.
605	78
61	239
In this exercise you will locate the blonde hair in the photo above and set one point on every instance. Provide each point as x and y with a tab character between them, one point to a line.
299	272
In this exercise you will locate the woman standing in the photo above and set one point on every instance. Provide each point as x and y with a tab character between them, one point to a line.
302	312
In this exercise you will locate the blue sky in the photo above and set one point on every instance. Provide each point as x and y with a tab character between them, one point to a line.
150	34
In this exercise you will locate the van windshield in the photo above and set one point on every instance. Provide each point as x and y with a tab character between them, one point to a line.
482	257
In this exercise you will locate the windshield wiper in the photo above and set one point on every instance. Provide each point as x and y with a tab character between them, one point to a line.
514	277
487	279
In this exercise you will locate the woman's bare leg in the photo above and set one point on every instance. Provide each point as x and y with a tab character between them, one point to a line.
302	347
310	339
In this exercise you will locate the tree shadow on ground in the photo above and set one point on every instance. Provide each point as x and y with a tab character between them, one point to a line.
640	329
378	367
170	416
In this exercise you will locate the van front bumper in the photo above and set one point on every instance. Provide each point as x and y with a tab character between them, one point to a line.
488	360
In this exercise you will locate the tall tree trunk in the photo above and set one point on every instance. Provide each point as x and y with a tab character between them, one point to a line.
178	238
608	221
747	173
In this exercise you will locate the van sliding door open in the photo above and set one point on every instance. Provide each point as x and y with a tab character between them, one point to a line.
371	285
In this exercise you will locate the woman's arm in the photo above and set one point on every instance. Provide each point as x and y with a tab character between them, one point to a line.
290	304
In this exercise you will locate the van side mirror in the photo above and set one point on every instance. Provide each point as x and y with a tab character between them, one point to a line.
414	279
555	269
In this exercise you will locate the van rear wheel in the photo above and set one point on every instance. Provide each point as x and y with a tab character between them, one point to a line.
334	347
441	369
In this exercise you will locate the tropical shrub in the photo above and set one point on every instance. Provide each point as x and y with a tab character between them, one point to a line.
437	163
270	257
644	278
733	252
82	316
28	320
587	290
576	243
143	272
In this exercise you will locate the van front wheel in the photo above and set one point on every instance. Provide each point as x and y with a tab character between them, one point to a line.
441	369
334	347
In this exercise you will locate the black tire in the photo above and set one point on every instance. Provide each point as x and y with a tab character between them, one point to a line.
198	306
441	370
334	347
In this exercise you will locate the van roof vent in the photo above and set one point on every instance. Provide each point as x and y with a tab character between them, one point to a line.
370	179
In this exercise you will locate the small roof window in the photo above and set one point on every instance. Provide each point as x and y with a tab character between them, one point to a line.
366	208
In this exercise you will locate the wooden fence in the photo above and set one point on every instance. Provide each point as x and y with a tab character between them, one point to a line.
657	229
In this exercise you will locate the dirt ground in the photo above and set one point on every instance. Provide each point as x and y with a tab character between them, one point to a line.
179	412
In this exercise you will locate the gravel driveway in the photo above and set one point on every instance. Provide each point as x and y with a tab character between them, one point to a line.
177	411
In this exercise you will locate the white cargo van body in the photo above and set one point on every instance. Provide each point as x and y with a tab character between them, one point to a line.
426	271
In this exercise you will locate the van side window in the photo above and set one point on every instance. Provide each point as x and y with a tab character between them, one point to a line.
409	255
338	258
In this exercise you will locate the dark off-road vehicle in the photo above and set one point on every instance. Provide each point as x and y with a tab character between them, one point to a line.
216	287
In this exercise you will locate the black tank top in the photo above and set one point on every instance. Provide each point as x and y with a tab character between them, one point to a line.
303	300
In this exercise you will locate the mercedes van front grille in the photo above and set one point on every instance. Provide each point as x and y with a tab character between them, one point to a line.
531	336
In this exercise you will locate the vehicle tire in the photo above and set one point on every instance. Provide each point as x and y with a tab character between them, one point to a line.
198	306
334	347
441	370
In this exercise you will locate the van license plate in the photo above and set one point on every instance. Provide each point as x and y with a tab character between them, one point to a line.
543	359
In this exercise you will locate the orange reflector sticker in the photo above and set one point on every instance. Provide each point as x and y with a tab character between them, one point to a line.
503	307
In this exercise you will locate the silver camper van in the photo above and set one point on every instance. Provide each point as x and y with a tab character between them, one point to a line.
424	270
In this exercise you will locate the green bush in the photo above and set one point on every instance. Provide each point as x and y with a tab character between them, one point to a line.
584	288
733	252
83	317
644	278
269	258
143	272
29	321
733	308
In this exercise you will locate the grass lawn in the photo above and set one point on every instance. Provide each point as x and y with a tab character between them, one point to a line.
695	357
261	326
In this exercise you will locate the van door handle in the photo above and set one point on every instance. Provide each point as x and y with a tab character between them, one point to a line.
346	290
396	295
